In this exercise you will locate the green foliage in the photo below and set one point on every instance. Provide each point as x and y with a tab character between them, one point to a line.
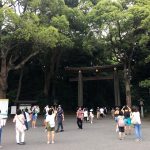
85	6
145	83
65	42
61	23
27	27
121	26
96	32
76	19
51	8
34	4
47	36
147	60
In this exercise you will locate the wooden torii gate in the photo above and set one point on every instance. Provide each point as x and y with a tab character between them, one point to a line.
80	79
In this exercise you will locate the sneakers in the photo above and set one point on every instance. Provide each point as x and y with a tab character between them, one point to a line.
1	146
61	130
21	143
138	140
48	142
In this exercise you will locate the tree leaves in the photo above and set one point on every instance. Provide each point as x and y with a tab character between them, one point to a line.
145	83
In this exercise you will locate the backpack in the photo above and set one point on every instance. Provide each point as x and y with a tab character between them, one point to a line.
121	122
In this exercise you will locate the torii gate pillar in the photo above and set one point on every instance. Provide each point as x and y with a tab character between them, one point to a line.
116	88
80	89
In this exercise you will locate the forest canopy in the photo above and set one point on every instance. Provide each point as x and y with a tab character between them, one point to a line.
39	38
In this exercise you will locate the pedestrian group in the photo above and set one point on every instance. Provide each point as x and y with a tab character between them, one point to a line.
126	119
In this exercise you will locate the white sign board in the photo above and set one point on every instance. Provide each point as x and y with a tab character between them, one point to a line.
4	108
13	110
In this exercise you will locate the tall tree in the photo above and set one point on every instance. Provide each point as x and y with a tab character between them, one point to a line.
53	13
20	37
119	24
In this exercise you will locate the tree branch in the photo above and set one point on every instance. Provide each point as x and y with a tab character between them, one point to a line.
119	32
23	61
25	6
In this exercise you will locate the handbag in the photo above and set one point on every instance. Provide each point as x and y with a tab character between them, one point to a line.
24	127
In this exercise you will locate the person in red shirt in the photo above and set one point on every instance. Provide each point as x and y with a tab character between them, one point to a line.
79	115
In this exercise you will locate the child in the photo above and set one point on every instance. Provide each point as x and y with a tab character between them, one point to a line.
121	125
91	116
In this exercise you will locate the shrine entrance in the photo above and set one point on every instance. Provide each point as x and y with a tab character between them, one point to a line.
96	73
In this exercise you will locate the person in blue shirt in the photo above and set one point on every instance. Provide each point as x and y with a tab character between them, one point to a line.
60	119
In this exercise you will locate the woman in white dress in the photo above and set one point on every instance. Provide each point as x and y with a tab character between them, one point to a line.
20	127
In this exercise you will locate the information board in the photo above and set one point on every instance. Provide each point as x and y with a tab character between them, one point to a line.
4	107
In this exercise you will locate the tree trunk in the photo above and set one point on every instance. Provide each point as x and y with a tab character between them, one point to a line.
48	76
19	85
51	72
57	63
127	85
46	83
3	78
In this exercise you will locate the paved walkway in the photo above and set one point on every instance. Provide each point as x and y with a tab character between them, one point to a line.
100	135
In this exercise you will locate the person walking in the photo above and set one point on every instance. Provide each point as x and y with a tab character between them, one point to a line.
50	126
27	117
79	115
112	113
46	109
85	111
116	114
101	112
20	127
136	121
97	113
91	116
35	111
121	125
60	119
127	111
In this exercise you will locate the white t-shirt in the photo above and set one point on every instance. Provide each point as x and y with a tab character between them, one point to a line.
46	109
27	116
136	115
85	113
101	111
91	114
51	120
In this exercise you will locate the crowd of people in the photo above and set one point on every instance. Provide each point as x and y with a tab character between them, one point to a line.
124	117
